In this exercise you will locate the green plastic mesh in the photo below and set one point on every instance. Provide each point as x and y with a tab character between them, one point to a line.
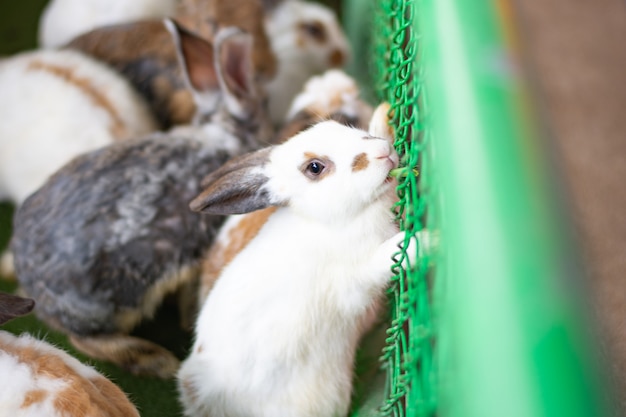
408	357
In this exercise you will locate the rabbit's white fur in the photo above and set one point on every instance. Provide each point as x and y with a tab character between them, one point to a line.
62	20
39	379
305	286
56	105
300	55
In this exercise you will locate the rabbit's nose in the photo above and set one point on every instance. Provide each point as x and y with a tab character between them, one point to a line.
391	158
387	152
336	58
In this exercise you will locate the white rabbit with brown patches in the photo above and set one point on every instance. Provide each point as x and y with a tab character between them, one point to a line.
55	105
333	95
39	379
62	20
278	332
307	39
305	36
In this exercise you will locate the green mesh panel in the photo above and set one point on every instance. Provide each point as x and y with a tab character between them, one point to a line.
408	356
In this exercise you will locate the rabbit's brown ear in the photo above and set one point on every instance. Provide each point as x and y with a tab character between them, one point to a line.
236	187
235	69
12	306
196	58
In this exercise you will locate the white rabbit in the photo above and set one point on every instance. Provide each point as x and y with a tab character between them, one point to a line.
307	40
62	20
39	379
333	95
278	332
55	105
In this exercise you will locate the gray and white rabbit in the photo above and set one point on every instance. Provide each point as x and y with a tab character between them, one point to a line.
39	379
278	332
110	233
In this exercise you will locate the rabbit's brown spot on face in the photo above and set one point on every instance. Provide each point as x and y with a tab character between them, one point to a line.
316	167
34	397
360	162
313	30
84	84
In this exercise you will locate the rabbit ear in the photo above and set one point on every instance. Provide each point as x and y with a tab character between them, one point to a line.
379	123
196	57
236	187
235	69
12	306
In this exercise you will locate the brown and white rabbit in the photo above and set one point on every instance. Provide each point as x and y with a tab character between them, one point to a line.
307	39
333	95
55	105
144	53
277	334
294	40
62	20
39	379
110	233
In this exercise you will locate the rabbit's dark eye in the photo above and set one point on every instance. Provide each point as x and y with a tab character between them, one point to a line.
315	168
315	30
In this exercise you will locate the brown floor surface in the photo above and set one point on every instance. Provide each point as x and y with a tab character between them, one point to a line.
578	50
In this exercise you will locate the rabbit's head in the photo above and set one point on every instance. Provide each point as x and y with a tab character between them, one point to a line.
12	306
329	173
310	32
220	76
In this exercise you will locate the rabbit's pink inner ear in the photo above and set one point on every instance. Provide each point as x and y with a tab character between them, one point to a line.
197	55
235	57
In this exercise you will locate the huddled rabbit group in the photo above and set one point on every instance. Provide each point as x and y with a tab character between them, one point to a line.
206	148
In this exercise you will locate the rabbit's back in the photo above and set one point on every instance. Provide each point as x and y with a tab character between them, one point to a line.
55	105
41	380
121	213
64	19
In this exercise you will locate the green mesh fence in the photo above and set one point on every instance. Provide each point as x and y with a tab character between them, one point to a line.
408	356
492	322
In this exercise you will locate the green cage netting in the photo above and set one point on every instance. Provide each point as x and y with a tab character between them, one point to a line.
408	355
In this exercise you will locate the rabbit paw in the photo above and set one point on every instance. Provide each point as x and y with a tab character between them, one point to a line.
136	355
